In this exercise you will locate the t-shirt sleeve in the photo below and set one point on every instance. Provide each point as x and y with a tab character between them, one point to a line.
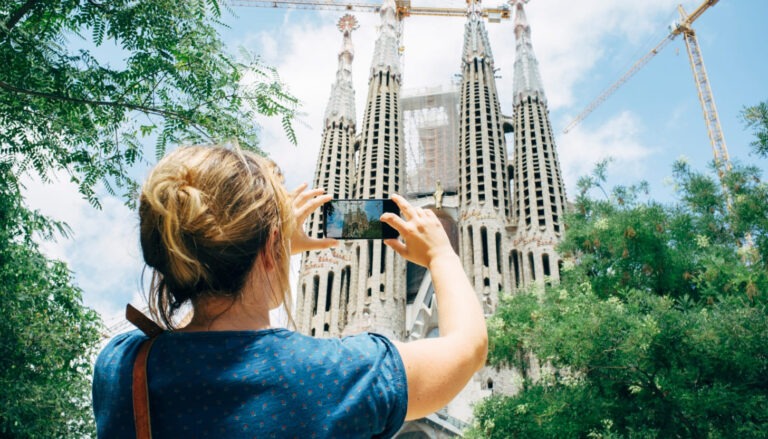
112	385
383	386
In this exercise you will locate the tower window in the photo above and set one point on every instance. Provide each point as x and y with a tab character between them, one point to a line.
545	264
328	291
532	266
315	288
515	262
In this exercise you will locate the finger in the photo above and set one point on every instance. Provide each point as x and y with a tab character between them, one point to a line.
397	245
307	201
395	221
295	193
428	214
304	196
303	212
406	209
330	242
321	243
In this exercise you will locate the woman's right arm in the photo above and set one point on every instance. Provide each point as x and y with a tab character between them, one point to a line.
438	368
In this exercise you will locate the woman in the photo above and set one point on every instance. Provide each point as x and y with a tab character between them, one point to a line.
218	228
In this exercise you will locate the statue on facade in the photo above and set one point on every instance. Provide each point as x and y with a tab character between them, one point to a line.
438	195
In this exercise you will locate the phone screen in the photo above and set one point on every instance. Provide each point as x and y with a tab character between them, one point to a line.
358	219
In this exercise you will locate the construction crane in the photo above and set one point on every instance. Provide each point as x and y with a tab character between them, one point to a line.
715	132
404	8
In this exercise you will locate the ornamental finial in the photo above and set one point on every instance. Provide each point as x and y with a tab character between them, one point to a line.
348	23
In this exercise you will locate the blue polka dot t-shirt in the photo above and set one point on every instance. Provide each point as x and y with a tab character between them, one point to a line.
254	384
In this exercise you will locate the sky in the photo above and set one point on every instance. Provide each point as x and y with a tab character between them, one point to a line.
582	47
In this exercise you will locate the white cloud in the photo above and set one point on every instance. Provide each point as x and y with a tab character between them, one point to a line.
103	251
581	149
570	39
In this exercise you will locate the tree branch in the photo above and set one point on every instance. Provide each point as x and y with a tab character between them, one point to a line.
20	13
58	97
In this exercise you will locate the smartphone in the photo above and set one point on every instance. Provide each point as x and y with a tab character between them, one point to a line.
358	219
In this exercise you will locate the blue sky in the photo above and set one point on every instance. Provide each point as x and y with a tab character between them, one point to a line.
582	47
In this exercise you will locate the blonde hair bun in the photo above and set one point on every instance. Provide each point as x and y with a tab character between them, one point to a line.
206	213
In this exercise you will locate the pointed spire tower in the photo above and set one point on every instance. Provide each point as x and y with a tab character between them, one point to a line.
483	182
378	288
539	193
379	170
324	278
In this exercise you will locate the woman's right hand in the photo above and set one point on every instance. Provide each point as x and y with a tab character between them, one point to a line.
423	236
438	368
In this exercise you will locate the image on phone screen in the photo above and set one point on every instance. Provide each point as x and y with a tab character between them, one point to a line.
358	219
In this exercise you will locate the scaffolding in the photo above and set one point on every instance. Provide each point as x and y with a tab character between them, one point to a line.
431	131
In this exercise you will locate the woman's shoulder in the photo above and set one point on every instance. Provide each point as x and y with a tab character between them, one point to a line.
361	349
363	344
362	353
120	346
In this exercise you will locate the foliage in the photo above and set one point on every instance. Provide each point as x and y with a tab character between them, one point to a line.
756	117
658	327
83	86
48	336
84	83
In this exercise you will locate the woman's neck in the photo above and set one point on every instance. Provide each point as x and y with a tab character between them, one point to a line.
228	314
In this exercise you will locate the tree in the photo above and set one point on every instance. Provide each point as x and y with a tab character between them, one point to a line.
84	83
659	325
83	86
48	337
756	117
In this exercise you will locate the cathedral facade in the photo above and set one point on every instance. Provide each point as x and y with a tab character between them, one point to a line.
502	205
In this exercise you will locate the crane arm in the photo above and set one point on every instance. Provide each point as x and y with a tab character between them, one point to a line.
693	16
309	4
404	8
684	27
610	90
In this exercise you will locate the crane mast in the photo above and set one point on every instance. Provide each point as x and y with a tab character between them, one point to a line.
711	118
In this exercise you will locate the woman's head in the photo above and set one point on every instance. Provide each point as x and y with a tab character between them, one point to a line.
208	216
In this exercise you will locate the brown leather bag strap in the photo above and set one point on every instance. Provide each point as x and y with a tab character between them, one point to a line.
141	417
144	323
141	392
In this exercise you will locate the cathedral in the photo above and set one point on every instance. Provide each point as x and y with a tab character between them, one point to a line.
502	205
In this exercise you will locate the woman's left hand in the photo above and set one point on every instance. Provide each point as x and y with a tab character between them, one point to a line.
305	202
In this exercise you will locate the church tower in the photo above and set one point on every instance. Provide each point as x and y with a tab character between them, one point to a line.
539	193
508	217
378	294
324	279
484	201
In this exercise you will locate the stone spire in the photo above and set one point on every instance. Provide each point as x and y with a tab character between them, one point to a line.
476	44
386	55
377	299
324	277
539	194
527	80
341	105
483	182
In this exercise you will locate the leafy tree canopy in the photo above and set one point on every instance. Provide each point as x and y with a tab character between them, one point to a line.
756	117
48	336
64	105
659	326
84	84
